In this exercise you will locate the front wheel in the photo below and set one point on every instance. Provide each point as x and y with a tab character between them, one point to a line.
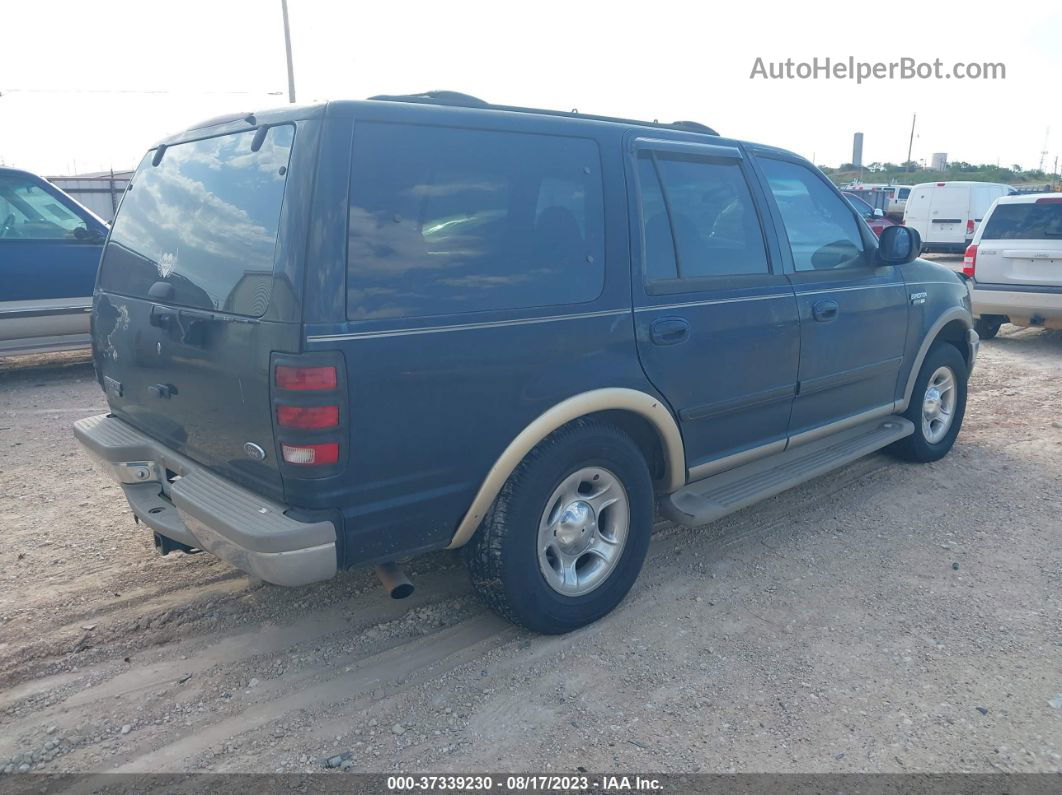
938	404
567	535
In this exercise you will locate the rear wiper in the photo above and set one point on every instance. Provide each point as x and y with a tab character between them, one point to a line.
190	323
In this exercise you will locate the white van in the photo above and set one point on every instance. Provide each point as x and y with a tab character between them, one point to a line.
1015	262
946	214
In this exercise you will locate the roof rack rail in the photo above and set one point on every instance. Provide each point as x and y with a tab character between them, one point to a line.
458	99
694	126
436	98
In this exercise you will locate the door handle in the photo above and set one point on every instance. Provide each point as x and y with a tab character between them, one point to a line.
825	311
669	331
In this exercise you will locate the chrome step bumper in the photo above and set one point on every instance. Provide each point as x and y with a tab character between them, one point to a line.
203	510
712	498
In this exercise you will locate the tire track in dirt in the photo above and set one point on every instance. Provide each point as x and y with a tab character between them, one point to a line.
402	666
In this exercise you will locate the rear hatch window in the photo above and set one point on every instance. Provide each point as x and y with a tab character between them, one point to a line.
203	221
1029	221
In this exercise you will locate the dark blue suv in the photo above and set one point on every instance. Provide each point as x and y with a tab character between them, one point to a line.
340	335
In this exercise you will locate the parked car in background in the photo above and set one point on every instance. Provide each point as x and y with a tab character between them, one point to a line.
50	250
874	216
1015	262
890	199
896	201
946	214
423	322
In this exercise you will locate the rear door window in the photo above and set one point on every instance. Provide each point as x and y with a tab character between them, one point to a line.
698	218
447	220
1026	221
205	221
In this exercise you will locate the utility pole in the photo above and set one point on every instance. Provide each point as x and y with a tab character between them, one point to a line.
910	142
1043	152
287	47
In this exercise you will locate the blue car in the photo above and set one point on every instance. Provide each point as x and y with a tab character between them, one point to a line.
347	334
50	249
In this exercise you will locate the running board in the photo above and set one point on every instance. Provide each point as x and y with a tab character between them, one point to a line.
707	500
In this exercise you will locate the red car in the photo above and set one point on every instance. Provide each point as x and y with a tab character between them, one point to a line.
875	218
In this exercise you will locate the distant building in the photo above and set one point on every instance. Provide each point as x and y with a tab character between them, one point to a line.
99	191
938	161
857	150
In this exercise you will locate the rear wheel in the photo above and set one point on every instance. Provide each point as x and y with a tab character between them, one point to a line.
567	535
938	404
987	326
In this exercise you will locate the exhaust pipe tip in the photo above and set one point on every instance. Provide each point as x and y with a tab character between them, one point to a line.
394	580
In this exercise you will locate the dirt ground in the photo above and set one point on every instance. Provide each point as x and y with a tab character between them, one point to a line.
887	617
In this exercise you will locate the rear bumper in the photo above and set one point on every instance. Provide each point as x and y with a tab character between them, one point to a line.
1022	306
198	508
944	248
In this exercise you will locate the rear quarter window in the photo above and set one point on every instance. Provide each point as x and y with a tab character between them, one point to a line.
446	220
1026	221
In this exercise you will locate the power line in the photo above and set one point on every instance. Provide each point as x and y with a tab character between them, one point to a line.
4	91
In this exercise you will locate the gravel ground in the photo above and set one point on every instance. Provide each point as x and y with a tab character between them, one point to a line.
886	617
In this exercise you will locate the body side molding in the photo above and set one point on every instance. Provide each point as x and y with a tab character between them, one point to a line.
609	399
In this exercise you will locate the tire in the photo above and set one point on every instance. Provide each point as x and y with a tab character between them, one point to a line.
927	443
509	556
987	326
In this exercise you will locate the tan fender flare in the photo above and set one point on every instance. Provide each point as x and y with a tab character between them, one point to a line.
955	313
609	399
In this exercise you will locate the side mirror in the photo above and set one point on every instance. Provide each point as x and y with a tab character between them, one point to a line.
898	245
879	213
85	234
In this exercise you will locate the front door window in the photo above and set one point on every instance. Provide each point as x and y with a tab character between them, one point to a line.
28	212
822	230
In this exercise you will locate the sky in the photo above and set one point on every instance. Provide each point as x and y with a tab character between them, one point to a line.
90	86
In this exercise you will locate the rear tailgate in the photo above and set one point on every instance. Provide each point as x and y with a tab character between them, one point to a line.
1022	245
189	309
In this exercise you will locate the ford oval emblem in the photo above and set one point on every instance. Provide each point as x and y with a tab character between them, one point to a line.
254	451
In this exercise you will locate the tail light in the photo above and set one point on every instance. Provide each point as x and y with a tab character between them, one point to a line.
1050	200
969	261
308	417
309	406
311	454
969	227
306	379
